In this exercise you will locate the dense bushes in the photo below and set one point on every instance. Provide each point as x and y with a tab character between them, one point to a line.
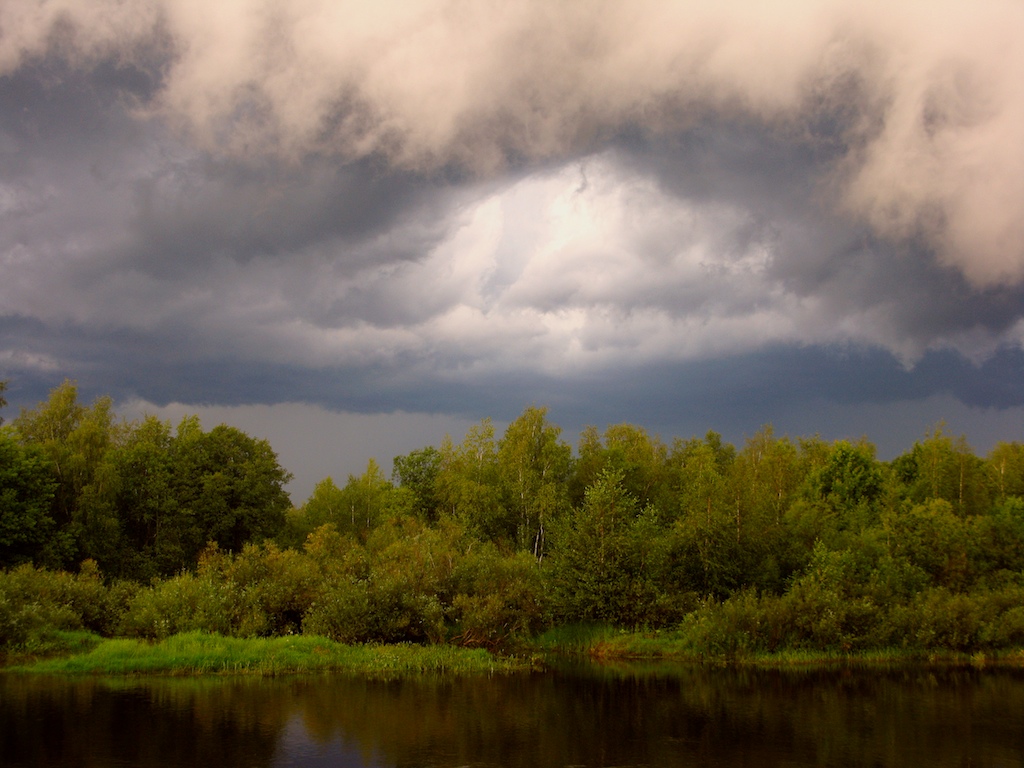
35	603
408	583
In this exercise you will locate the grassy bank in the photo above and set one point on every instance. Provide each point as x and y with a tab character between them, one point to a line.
605	643
201	653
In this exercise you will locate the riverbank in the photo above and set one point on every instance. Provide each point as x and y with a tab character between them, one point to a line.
604	643
202	653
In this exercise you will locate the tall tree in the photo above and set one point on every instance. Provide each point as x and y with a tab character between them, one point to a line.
1005	466
533	467
417	471
159	535
941	467
467	484
231	483
76	440
26	494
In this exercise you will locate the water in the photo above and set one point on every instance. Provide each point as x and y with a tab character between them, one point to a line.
586	716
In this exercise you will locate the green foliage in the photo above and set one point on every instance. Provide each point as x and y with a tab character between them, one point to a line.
232	485
533	471
468	487
36	603
804	546
943	468
848	481
417	472
26	497
1005	469
77	484
609	562
498	599
184	603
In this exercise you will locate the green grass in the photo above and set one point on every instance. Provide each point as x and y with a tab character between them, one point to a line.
201	653
574	638
606	644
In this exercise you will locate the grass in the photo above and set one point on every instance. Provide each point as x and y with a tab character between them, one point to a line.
201	653
607	644
575	638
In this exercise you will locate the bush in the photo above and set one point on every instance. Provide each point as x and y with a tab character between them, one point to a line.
269	590
382	611
498	599
184	603
35	603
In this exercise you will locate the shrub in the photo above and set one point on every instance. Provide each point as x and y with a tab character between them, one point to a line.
35	603
184	603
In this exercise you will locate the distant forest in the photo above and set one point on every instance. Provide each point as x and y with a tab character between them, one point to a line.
143	530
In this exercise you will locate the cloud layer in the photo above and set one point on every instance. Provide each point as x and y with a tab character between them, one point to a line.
468	206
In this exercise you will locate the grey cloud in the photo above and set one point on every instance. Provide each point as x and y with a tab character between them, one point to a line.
677	213
931	150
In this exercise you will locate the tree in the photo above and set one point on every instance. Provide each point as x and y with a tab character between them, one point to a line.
849	480
628	449
1005	466
705	533
467	484
76	440
533	467
767	472
26	493
418	471
607	559
940	467
3	400
230	483
362	500
158	533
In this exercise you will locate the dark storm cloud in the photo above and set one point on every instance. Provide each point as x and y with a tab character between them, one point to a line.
666	211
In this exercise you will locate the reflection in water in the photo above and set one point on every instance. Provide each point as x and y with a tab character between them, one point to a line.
586	716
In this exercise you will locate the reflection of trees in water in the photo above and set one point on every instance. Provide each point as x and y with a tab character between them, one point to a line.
592	717
691	716
55	722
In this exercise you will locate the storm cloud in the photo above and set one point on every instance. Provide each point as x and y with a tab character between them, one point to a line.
466	207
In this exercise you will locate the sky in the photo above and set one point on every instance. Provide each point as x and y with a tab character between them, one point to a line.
351	228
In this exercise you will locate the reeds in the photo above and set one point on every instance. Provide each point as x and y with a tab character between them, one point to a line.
202	653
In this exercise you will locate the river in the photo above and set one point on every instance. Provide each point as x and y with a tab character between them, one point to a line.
587	715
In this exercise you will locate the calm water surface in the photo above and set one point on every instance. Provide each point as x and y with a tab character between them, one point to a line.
588	716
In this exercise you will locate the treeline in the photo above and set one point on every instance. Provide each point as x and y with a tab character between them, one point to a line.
137	498
779	543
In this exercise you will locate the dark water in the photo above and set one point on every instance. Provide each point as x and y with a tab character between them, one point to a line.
591	716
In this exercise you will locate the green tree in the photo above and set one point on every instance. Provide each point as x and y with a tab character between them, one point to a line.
1005	467
847	485
533	468
159	536
767	473
76	440
418	471
625	448
704	528
607	561
468	484
231	484
362	501
941	467
934	538
26	495
3	400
